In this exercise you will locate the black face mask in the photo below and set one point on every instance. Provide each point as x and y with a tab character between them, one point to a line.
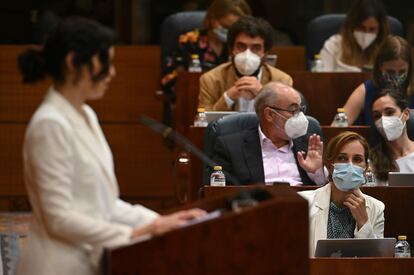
394	80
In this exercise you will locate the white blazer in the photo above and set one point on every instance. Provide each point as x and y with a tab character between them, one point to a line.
70	180
319	201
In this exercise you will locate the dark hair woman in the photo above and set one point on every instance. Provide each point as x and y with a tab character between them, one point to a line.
68	166
393	68
395	151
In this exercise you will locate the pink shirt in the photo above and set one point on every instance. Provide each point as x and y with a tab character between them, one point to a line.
279	164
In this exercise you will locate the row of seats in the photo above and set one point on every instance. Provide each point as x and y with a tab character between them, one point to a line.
318	31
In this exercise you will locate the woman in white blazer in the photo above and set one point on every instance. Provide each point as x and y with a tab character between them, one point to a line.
340	209
68	165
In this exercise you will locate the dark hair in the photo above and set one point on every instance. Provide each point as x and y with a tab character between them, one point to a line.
337	143
252	27
221	8
358	13
82	37
394	48
381	157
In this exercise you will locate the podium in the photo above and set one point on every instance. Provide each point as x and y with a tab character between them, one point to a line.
262	239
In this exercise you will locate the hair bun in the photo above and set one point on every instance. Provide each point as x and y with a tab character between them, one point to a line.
32	65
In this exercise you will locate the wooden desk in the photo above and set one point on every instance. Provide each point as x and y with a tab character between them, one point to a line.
399	201
325	92
361	266
290	58
264	239
135	148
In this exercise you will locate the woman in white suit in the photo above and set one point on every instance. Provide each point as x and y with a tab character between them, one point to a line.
68	165
340	209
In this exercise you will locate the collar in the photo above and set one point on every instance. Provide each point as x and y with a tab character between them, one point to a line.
65	106
264	138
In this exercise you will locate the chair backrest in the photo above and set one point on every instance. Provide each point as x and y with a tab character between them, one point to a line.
224	126
175	25
324	26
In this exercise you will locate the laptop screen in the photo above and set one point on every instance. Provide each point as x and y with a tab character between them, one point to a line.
355	248
215	115
400	179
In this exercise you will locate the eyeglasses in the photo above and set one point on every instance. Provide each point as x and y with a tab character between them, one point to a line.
293	111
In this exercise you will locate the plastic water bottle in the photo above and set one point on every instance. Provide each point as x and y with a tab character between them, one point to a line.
370	175
341	119
317	64
402	248
201	118
195	65
217	178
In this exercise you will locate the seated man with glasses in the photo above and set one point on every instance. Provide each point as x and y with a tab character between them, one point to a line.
233	86
285	147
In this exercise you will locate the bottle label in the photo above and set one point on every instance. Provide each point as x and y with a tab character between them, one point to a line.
217	179
403	255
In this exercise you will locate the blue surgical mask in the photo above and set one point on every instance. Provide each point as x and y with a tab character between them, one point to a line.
221	33
347	176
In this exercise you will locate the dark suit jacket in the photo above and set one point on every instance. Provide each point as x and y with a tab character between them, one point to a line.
240	154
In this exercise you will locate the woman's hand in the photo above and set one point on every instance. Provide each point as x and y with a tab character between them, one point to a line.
356	203
166	223
313	160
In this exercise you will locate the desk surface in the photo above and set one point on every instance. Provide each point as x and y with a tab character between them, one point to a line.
365	266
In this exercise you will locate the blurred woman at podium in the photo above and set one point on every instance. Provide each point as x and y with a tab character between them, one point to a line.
339	209
68	165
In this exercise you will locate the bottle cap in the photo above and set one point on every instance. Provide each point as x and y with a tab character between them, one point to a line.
340	110
194	56
402	237
317	56
218	168
201	110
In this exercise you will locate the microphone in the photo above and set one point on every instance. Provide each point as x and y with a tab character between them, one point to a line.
169	133
243	198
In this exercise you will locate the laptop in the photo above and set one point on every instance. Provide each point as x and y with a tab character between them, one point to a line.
215	115
400	179
337	248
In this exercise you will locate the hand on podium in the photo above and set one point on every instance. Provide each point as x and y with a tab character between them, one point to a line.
165	223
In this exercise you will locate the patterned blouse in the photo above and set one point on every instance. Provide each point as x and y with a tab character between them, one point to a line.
194	42
341	224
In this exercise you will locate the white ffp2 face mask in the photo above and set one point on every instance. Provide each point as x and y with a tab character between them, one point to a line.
364	39
390	127
296	126
247	62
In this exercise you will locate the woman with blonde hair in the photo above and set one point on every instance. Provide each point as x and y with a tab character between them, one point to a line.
355	47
